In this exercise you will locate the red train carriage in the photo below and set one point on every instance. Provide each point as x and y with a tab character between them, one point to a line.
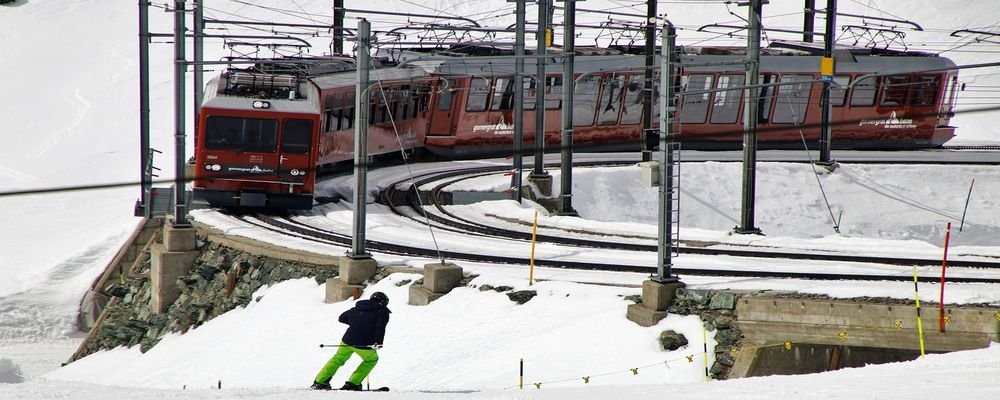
908	109
262	135
257	139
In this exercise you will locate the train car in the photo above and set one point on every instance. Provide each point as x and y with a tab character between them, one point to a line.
909	109
263	134
257	139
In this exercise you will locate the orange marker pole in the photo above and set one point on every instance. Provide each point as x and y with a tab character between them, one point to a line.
944	266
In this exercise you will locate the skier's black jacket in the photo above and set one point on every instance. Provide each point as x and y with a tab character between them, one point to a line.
366	324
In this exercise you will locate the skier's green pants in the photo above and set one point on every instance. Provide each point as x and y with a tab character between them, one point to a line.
368	360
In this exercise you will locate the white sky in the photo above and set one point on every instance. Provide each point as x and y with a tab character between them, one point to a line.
53	245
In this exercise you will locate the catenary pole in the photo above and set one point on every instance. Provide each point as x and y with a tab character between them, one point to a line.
361	141
750	121
826	130
647	89
145	157
515	180
664	264
569	84
199	56
180	67
541	35
338	26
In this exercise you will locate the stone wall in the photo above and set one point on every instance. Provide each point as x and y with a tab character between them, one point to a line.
718	312
220	280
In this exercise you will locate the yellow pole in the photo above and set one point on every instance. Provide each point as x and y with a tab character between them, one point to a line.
531	268
920	326
704	344
520	379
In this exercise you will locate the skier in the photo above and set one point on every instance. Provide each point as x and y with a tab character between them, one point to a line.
365	332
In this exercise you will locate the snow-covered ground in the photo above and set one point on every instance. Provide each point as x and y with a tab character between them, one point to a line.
71	117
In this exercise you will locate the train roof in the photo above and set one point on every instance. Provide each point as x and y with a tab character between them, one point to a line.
350	78
215	96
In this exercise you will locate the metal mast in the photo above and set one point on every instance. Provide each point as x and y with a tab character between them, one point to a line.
826	135
647	90
542	37
569	47
515	180
180	67
750	121
361	141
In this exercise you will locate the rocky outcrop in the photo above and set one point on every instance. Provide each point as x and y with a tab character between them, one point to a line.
220	280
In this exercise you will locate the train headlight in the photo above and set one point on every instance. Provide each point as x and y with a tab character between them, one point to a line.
260	104
214	167
296	172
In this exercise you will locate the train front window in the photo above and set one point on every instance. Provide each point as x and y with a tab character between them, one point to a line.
925	90
296	137
241	134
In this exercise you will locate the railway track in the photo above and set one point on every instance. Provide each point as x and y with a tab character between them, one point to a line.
709	261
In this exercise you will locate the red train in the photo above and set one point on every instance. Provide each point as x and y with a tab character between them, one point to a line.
263	131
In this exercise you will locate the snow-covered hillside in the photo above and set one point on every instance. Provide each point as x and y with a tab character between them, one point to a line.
69	102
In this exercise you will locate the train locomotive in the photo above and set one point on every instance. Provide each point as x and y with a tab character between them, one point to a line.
263	131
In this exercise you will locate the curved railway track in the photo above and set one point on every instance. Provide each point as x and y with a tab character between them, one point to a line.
797	265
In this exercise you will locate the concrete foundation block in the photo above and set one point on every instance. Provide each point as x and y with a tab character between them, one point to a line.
338	290
179	238
441	278
355	271
421	296
644	316
658	296
543	183
166	267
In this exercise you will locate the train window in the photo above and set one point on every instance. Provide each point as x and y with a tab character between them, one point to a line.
585	100
347	116
553	92
241	134
838	95
632	110
296	137
863	94
329	120
726	109
446	95
694	108
479	93
793	99
529	94
764	97
423	94
403	100
611	100
925	90
894	90
503	95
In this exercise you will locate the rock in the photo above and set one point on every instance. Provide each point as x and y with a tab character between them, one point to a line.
522	296
671	340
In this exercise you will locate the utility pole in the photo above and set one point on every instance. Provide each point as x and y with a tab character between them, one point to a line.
199	57
750	121
666	188
180	67
809	23
826	72
542	36
515	180
338	26
569	83
647	90
361	141
145	157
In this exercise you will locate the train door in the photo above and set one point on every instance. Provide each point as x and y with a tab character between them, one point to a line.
443	110
296	157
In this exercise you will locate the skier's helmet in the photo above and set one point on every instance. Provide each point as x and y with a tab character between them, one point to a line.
380	298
